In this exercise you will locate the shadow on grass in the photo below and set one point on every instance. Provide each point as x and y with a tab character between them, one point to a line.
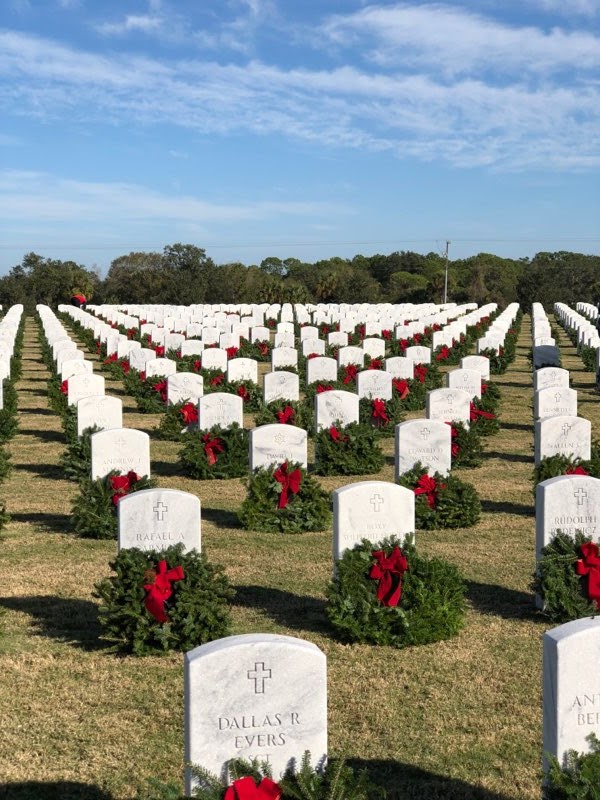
44	436
517	458
298	612
517	426
64	790
51	472
221	517
407	782
498	507
54	523
525	384
44	412
65	619
165	469
499	601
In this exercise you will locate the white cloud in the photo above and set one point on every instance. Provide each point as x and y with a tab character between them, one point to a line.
444	39
53	199
132	22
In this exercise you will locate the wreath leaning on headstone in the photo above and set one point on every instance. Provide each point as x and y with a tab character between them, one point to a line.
567	578
441	501
163	600
388	594
94	509
347	450
285	499
216	453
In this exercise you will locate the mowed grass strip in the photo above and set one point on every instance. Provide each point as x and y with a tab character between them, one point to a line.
458	719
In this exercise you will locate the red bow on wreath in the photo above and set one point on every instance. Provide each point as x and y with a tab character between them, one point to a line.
243	392
246	789
216	380
64	387
263	348
122	484
290	482
113	357
376	363
161	388
351	371
160	590
379	411
189	412
125	366
285	416
322	387
576	471
455	447
212	447
336	434
476	413
443	354
231	351
401	386
388	571
428	486
159	350
420	372
590	565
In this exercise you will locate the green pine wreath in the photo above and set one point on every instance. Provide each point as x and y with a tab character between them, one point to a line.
301	414
432	606
307	510
456	504
562	591
93	512
217	453
382	419
197	611
348	450
466	446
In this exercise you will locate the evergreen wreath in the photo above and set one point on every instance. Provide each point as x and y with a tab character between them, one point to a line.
411	393
284	499
347	450
381	416
560	464
178	420
9	423
287	412
94	509
484	416
441	501
77	458
431	606
579	778
216	453
563	591
466	447
247	390
150	394
196	611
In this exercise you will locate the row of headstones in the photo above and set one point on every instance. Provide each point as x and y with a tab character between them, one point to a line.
9	326
569	503
584	324
495	336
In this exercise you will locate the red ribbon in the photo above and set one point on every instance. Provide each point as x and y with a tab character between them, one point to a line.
290	482
111	358
375	363
246	789
189	412
351	371
263	348
131	333
161	388
197	365
231	351
388	571
216	380
161	590
322	387
243	393
125	366
475	413
379	411
312	355
387	334
443	354
590	565
122	484
212	447
401	386
403	343
336	434
420	372
64	387
576	471
427	485
285	416
159	350
143	375
417	338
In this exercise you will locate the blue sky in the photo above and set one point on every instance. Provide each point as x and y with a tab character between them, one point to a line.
310	129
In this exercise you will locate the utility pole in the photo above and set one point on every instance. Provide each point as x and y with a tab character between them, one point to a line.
448	243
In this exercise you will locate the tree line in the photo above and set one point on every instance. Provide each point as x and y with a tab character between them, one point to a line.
183	274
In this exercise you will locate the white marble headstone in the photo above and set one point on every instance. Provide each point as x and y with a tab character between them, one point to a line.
220	408
281	385
274	444
426	440
374	383
467	379
568	503
335	406
563	435
550	376
102	411
123	449
83	385
555	401
184	386
370	510
256	695
321	369
242	369
449	405
153	519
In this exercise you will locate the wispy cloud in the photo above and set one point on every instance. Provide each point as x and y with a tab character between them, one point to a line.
132	22
585	8
444	39
54	199
408	104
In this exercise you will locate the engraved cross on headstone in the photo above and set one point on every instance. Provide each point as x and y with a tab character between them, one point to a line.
566	428
580	495
376	501
121	442
160	509
557	397
424	433
259	675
